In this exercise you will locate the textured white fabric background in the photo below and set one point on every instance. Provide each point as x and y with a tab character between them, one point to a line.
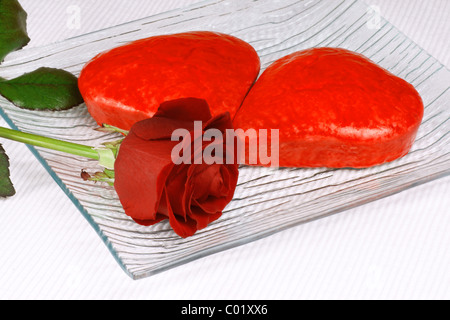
395	248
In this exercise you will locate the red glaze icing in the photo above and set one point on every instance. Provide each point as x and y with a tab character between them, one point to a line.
127	84
334	108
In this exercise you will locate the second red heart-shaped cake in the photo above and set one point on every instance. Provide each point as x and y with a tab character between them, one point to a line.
333	108
129	83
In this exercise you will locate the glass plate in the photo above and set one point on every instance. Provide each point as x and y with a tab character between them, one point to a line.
266	200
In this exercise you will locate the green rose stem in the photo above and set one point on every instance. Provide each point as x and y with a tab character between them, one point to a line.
105	156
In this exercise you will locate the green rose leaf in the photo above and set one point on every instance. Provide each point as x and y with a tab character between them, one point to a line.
43	89
6	186
13	29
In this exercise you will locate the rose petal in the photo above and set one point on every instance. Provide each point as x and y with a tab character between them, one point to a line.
173	115
208	175
148	223
220	191
160	128
221	122
227	177
142	168
176	188
187	109
183	227
203	219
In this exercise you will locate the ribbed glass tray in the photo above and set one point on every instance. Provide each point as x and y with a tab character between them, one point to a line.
267	200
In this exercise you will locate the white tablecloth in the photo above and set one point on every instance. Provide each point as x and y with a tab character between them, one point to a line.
395	248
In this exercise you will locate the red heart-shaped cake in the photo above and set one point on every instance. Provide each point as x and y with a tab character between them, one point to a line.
333	108
128	83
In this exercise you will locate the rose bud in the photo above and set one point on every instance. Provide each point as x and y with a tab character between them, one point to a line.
152	188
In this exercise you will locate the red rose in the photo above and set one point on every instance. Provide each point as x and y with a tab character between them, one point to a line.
152	188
